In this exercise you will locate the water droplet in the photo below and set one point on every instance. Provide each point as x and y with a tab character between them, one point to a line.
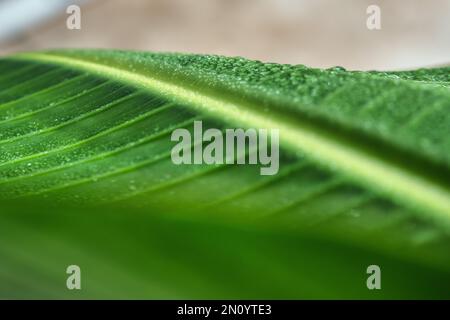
337	68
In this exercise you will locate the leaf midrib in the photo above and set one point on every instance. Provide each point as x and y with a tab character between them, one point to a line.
412	188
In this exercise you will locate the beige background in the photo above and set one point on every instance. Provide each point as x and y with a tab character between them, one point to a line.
320	33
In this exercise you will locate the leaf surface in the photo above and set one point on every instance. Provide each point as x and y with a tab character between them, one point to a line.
363	154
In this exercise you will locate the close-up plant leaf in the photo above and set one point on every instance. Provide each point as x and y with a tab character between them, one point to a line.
86	177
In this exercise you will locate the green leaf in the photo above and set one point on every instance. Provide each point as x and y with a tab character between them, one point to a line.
364	159
141	255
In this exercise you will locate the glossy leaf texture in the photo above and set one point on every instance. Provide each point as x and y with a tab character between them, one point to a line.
364	174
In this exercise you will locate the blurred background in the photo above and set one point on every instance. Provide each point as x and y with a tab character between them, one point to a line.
318	33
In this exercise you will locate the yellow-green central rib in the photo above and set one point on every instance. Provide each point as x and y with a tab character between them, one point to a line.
403	185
